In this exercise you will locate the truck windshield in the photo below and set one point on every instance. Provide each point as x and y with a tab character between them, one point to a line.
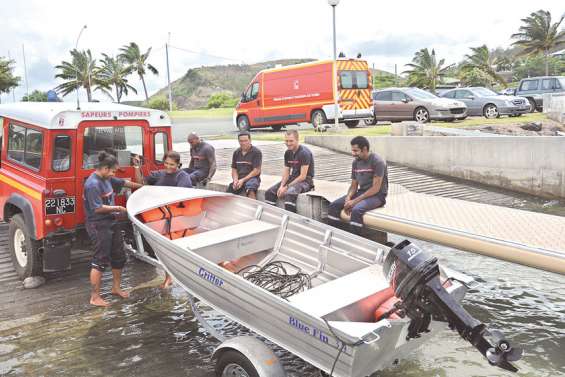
122	142
354	79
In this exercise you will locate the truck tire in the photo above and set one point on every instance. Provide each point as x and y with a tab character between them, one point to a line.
532	105
276	128
243	123
318	118
234	363
24	251
351	123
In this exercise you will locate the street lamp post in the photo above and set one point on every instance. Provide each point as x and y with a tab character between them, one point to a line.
76	48
333	4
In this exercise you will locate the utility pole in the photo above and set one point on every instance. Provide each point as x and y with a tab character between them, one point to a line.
25	71
13	90
168	73
333	4
395	76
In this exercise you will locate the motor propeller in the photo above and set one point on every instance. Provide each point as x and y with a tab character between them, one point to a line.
415	278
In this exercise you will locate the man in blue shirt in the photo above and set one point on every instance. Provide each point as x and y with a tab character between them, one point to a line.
99	192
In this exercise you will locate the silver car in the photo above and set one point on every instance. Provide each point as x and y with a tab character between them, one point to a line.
396	104
483	101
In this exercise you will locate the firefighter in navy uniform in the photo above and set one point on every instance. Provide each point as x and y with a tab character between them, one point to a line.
202	164
99	191
298	173
369	186
246	167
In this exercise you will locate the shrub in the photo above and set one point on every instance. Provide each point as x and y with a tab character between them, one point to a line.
158	103
221	99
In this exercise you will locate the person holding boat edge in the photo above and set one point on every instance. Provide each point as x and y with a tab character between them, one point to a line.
99	191
246	167
298	173
171	176
368	190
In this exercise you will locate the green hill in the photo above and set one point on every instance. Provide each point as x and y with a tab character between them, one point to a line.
193	89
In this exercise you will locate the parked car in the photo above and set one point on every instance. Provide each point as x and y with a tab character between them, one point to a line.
396	104
483	101
508	92
534	88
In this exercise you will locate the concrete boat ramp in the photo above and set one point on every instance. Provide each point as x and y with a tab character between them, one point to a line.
430	208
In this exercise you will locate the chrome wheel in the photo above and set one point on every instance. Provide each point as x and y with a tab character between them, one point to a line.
234	370
422	115
491	112
19	247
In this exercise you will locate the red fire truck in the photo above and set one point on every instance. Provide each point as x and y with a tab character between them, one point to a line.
305	93
47	152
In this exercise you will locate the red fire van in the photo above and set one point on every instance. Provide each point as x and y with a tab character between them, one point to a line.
305	93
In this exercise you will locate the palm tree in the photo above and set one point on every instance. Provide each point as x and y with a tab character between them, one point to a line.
482	61
133	56
7	79
539	35
426	71
113	72
81	72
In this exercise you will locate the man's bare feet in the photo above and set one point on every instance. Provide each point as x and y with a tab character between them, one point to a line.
167	283
98	301
120	293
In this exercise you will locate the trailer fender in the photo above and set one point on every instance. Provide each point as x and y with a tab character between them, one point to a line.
18	201
261	356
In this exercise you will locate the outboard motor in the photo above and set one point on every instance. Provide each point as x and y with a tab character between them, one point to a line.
415	278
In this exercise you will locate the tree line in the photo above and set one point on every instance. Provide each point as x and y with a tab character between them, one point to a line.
108	75
534	42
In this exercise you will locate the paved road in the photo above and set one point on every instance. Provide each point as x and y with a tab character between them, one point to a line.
208	127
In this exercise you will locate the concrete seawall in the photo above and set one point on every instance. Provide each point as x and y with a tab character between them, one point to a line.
533	165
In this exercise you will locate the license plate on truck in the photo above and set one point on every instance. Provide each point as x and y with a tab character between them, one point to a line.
59	206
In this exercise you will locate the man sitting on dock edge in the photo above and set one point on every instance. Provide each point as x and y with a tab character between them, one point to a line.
368	190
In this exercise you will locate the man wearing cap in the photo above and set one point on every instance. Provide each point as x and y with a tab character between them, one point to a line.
298	173
245	167
369	186
202	160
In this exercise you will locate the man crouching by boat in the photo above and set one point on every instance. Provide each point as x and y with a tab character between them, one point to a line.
298	173
369	186
245	167
99	192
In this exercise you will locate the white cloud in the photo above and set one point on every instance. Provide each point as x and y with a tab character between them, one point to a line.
387	33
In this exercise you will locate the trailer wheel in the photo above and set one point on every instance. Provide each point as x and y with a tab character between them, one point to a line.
318	118
243	123
232	363
24	251
276	128
351	123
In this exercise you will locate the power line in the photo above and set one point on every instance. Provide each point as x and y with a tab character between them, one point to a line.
204	54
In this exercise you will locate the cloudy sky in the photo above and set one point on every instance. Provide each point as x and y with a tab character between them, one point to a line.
226	31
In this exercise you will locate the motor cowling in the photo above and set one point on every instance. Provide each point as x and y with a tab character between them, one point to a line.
414	276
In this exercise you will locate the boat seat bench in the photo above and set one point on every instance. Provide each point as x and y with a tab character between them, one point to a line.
232	242
339	293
